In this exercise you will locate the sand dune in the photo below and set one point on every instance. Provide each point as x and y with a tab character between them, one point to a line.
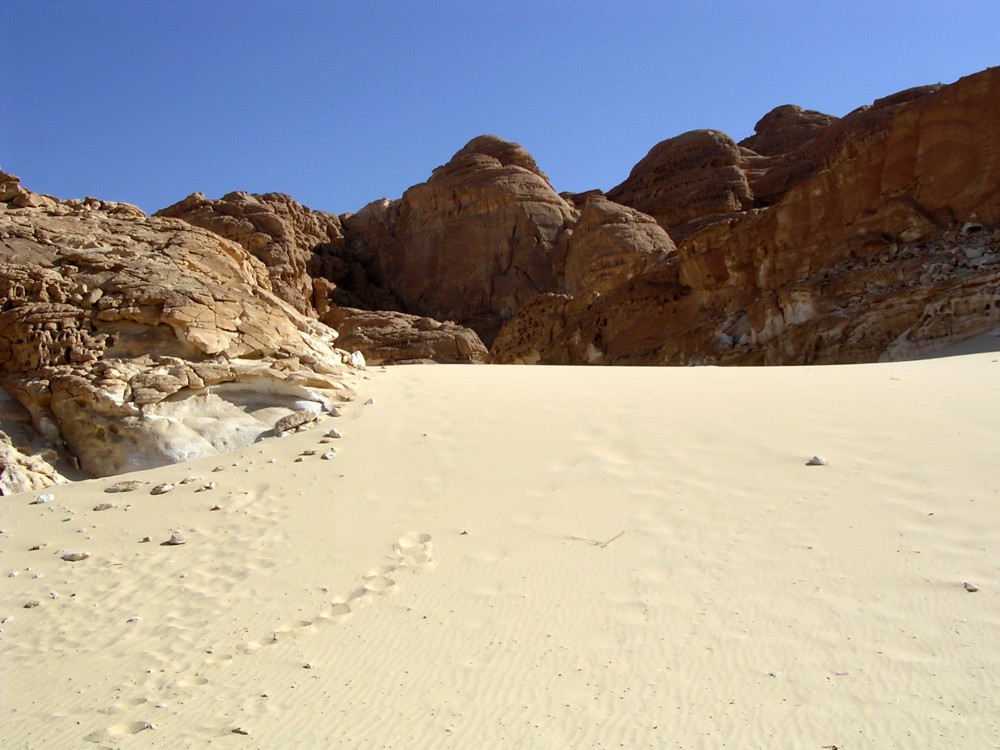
537	557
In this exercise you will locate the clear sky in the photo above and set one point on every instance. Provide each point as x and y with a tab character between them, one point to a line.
341	103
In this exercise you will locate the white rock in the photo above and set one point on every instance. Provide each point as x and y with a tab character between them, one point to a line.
175	539
329	455
161	489
358	360
42	499
971	587
817	461
75	556
334	433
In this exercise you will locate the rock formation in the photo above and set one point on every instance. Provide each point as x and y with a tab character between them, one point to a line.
474	241
874	237
313	268
388	338
134	341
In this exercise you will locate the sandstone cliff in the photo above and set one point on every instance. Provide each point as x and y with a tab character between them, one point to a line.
131	341
873	236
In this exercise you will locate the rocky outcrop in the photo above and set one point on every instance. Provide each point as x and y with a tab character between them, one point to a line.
874	237
388	338
135	341
472	243
280	232
785	129
685	178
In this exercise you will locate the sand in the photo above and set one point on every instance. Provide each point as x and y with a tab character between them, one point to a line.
537	557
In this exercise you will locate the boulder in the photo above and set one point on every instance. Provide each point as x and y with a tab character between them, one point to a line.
387	338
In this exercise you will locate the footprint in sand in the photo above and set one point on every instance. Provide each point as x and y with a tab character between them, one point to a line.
190	682
117	731
412	550
121	706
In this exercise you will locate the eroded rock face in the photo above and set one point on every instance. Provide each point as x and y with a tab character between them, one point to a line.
785	129
685	178
473	242
874	237
135	341
280	232
386	338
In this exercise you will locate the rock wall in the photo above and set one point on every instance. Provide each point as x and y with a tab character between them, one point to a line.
873	238
134	341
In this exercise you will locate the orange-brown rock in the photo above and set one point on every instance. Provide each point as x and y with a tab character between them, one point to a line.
876	238
280	232
473	242
785	129
387	338
685	178
135	341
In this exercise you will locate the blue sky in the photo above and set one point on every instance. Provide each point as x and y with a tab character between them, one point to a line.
341	103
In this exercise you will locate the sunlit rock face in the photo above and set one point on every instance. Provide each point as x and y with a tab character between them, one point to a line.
873	236
133	341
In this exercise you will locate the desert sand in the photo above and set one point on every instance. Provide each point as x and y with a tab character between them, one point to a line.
537	557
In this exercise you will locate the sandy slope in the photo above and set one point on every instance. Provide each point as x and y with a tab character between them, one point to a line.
539	557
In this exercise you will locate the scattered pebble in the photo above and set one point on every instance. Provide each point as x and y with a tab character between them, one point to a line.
336	411
219	468
216	507
161	489
817	461
175	539
307	665
334	433
299	460
240	730
48	497
105	506
133	618
32	604
37	547
127	485
329	455
206	487
5	620
188	480
370	402
971	587
309	452
75	556
13	574
145	539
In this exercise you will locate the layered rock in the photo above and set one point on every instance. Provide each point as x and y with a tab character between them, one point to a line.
874	237
388	338
135	341
473	242
280	232
685	178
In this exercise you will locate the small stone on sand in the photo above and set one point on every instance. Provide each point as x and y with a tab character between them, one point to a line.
161	489
104	506
329	455
127	485
370	402
175	539
32	604
75	556
206	487
334	433
188	480
971	587
309	452
816	461
42	499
